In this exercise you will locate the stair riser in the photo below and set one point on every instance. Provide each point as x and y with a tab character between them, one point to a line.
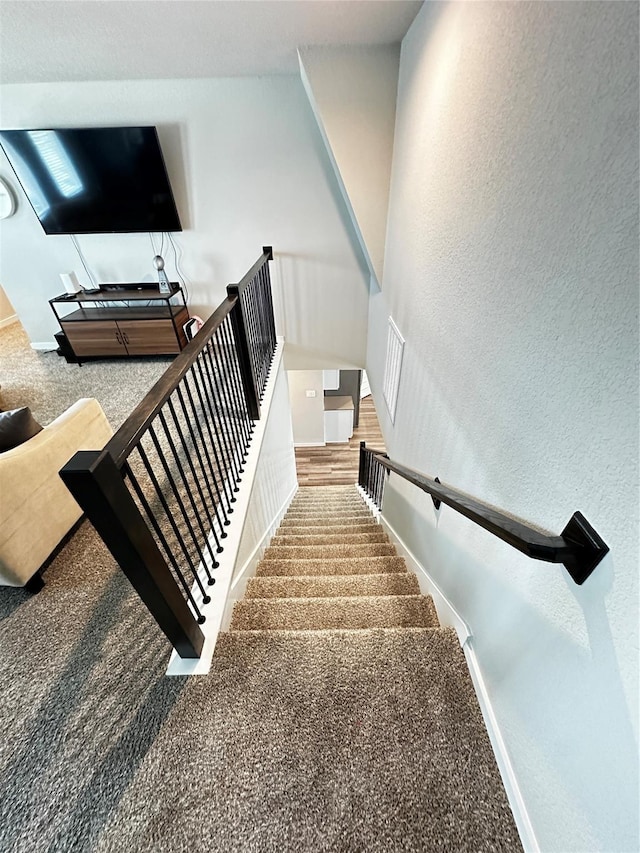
355	566
330	538
304	614
341	502
327	518
333	586
329	529
310	552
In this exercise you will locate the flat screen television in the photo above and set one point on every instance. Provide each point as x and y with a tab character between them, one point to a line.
98	180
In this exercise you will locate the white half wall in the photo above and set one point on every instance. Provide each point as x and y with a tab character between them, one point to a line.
268	483
511	268
275	479
352	91
248	169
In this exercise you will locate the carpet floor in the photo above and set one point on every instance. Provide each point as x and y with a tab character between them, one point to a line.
49	385
326	739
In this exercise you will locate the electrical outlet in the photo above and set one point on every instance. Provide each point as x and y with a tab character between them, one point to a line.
311	393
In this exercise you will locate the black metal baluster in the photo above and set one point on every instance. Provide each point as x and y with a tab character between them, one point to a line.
234	430
239	401
361	465
264	298
233	469
192	501
206	506
211	394
127	471
169	514
214	448
264	332
235	348
241	338
249	311
264	361
179	501
219	427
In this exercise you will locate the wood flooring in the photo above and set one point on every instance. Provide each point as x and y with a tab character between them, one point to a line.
337	464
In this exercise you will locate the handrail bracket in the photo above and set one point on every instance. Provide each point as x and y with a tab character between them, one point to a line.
587	548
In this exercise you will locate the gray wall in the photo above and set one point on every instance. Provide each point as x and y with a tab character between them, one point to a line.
248	168
511	268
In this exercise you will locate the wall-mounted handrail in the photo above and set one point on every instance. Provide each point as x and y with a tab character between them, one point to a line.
579	548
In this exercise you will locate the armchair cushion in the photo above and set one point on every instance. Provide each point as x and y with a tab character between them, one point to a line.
16	427
36	508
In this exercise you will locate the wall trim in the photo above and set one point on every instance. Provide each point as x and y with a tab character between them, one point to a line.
448	615
12	318
44	346
309	444
507	772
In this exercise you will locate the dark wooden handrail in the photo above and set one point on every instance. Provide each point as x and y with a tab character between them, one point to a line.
248	277
579	548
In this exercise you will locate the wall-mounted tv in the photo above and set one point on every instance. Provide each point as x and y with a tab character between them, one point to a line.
96	180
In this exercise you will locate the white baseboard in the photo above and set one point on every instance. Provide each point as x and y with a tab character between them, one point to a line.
309	444
448	615
13	318
44	346
508	774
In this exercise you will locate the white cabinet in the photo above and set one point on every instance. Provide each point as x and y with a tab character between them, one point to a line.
330	380
338	419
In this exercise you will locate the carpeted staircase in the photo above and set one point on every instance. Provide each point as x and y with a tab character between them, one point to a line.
366	702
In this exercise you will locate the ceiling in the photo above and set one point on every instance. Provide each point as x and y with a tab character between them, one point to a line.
63	40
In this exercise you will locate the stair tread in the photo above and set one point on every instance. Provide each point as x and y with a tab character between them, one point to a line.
337	612
384	721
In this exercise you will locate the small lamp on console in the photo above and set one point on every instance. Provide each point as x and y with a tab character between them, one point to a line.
163	282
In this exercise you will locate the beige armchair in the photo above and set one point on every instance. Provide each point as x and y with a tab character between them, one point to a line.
36	508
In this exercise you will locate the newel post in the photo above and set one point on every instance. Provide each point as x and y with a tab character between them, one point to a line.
241	336
361	481
94	480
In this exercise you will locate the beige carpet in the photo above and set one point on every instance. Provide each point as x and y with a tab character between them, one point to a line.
48	385
300	739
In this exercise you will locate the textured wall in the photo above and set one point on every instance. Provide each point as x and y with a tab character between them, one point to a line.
248	169
511	268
